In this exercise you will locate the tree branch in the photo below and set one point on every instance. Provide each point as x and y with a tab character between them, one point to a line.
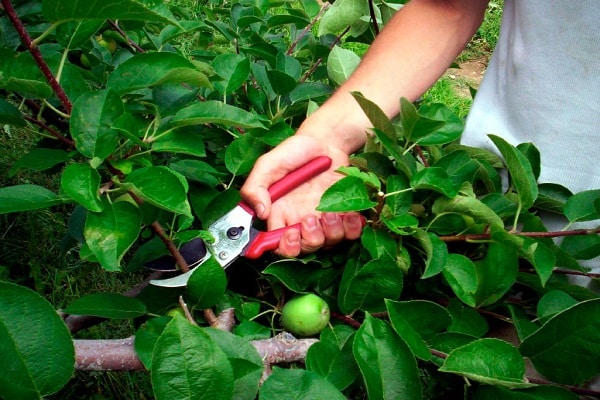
486	236
37	55
120	355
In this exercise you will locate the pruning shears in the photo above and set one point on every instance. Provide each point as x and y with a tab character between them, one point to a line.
234	234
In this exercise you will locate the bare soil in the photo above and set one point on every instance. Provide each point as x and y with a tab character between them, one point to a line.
470	72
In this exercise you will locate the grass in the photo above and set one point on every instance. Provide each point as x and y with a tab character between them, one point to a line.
32	252
454	92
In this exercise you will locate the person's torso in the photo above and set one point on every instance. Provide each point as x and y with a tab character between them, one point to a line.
543	86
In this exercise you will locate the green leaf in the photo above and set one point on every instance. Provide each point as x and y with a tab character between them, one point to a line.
281	83
73	34
469	206
366	286
82	183
489	361
233	70
10	115
298	384
20	74
522	321
160	187
27	197
539	255
379	242
388	368
188	364
216	112
416	321
309	91
461	275
39	159
56	10
544	392
401	224
466	320
552	303
111	232
552	197
242	153
146	336
436	252
37	349
369	178
580	206
332	356
459	167
446	342
342	14
107	305
197	171
91	123
288	64
184	140
296	275
436	179
496	273
566	348
206	286
379	120
520	171
451	129
149	69
347	194
341	63
246	363
398	198
583	247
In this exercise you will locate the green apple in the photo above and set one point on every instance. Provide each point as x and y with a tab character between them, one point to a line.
108	43
84	60
305	315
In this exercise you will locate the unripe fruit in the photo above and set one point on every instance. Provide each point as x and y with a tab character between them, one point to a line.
305	315
108	43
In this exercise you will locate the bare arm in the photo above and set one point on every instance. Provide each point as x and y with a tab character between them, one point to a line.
410	54
407	57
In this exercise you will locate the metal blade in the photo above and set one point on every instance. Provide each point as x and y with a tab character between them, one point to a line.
193	252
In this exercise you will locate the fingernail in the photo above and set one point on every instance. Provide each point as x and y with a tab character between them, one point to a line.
293	236
260	210
330	218
352	218
310	223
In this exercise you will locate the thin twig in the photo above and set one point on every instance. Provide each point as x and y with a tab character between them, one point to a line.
373	17
130	42
346	319
555	234
37	55
50	130
307	28
320	60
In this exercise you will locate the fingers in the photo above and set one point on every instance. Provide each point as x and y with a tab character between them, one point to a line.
274	165
317	233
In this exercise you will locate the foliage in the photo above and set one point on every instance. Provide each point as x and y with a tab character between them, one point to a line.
153	116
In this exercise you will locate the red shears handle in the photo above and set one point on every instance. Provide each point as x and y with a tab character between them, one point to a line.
265	241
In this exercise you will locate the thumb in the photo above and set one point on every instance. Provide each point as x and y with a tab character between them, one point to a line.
254	192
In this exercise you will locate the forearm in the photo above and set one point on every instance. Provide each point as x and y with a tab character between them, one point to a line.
408	56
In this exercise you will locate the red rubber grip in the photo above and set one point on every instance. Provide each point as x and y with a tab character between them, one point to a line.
299	176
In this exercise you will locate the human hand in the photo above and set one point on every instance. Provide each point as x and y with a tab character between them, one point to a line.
299	205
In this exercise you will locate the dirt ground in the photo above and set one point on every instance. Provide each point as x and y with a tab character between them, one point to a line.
471	72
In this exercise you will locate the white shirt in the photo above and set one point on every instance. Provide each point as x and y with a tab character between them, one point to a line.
542	85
